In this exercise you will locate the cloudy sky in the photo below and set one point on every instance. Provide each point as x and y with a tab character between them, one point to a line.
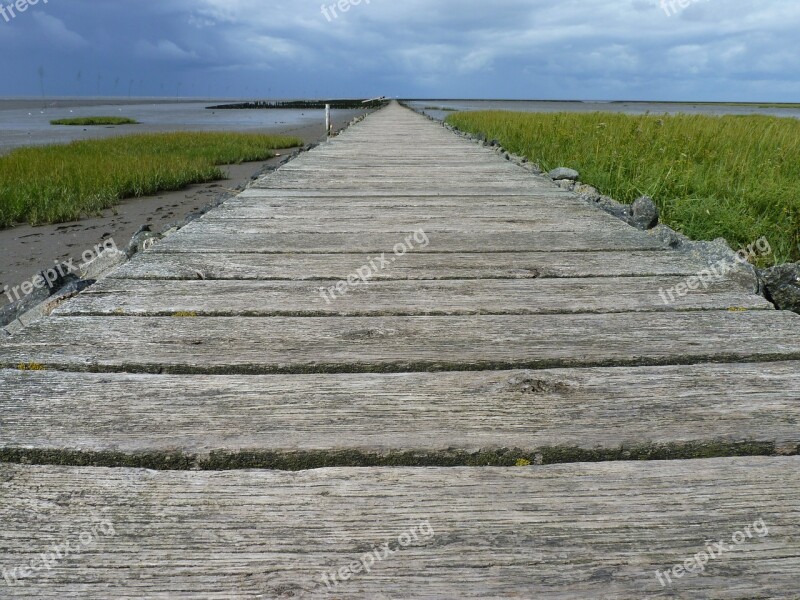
744	50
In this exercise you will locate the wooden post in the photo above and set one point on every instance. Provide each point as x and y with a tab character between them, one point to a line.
328	120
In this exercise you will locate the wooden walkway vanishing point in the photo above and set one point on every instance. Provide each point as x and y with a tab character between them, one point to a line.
509	405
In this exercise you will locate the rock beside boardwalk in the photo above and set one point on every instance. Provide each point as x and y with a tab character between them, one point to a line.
108	260
142	240
564	173
644	213
717	254
782	285
606	203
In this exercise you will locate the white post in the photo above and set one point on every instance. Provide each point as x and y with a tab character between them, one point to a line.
328	120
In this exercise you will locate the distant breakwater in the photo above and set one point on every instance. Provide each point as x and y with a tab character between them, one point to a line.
303	105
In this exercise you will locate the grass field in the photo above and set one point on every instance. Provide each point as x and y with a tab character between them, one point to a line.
54	184
95	121
736	177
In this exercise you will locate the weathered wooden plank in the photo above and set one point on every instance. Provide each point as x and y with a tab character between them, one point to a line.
367	224
453	184
348	243
557	414
500	173
252	199
336	166
372	214
382	186
442	177
398	344
560	532
414	266
452	297
544	209
258	191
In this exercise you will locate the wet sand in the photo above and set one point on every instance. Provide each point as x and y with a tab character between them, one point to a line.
26	250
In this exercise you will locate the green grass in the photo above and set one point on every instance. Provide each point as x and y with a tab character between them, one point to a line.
95	121
736	177
59	183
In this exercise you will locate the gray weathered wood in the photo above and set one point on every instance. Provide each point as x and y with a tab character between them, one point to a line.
392	344
594	410
344	243
312	210
414	266
493	195
452	297
561	532
392	223
502	206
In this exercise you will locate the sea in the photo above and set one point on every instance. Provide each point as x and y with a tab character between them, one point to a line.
26	121
439	109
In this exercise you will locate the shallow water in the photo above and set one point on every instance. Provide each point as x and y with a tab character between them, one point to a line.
26	122
634	108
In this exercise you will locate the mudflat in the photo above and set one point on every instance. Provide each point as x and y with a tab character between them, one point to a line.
25	250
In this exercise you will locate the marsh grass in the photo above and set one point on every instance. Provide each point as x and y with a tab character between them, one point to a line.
54	184
736	177
95	121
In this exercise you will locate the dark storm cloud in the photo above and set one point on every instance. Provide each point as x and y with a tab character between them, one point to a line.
711	49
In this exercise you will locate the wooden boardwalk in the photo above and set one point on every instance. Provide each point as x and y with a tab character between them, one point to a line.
507	402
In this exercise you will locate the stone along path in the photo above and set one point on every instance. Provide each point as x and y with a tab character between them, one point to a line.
506	409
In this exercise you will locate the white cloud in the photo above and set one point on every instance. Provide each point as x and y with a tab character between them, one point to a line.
163	50
56	31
